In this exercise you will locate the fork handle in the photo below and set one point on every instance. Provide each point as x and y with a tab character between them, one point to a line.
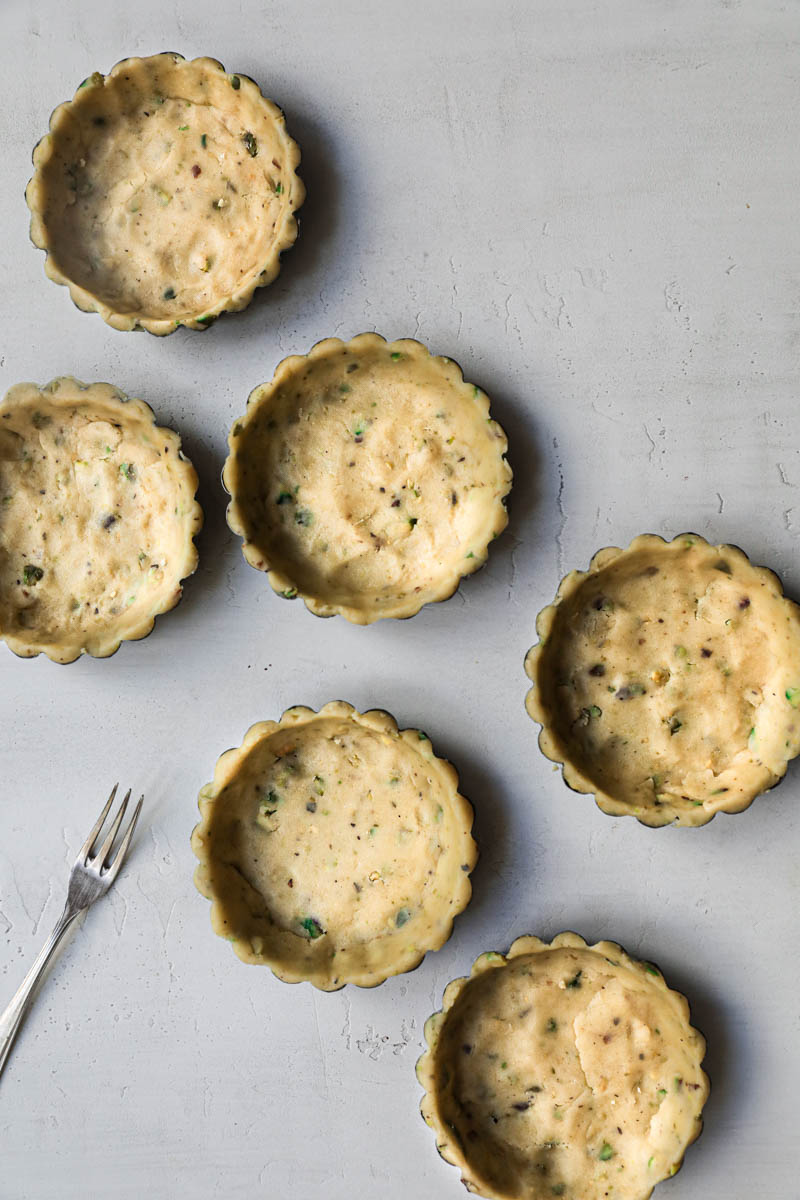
14	1015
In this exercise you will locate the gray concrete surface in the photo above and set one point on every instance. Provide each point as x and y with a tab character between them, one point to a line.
593	207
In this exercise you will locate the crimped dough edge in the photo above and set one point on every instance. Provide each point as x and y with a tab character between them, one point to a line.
309	961
426	1067
280	582
241	296
557	752
131	413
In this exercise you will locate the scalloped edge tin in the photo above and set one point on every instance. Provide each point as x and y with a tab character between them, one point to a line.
278	580
552	747
237	300
312	961
446	1144
109	394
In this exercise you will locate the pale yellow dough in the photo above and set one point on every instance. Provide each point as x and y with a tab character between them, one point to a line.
563	1070
335	847
667	680
367	477
165	192
97	517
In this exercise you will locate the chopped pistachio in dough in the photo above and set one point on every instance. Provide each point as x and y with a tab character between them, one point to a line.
668	677
97	515
166	190
564	1071
335	847
367	477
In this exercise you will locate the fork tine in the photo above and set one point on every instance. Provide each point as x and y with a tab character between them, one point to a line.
83	854
119	857
105	849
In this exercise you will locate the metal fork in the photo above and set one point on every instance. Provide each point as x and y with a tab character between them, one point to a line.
89	879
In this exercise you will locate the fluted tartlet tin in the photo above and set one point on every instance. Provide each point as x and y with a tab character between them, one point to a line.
367	477
334	847
563	1069
164	193
667	680
97	519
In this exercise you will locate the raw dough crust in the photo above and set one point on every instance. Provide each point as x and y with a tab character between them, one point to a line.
667	680
335	848
367	477
563	1070
164	193
97	517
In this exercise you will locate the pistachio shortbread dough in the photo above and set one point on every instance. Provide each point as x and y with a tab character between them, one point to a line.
668	680
97	516
563	1070
367	477
335	848
164	192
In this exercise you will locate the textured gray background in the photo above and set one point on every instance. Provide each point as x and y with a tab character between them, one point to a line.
593	207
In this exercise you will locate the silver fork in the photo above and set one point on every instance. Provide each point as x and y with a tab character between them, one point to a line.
89	879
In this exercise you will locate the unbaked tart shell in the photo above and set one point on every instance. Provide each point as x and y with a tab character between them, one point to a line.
164	193
335	848
97	519
562	1069
367	477
667	680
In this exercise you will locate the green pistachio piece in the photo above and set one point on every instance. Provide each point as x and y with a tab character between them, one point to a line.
312	927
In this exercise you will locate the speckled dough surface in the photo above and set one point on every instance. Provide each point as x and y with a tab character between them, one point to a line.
368	477
164	192
97	516
667	679
335	847
563	1070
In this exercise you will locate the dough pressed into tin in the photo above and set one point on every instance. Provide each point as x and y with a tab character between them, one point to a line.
334	847
667	680
367	477
164	193
97	517
565	1070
